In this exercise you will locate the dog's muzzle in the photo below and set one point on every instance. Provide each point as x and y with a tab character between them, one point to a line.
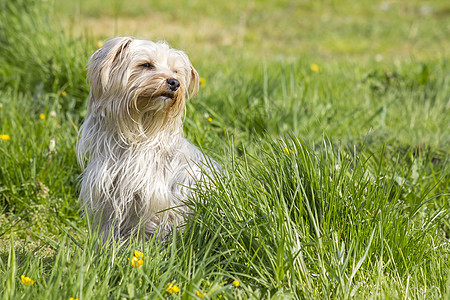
173	84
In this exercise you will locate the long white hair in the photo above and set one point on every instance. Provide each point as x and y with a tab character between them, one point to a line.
137	166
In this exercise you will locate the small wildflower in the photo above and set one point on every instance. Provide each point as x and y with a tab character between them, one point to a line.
136	262
315	68
41	188
202	81
42	116
138	259
139	254
52	146
26	280
71	298
286	150
236	283
172	288
63	93
4	137
209	119
53	113
200	294
99	44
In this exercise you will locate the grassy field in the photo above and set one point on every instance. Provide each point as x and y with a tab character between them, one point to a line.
330	119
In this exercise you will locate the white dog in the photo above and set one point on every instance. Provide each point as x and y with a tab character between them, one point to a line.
137	166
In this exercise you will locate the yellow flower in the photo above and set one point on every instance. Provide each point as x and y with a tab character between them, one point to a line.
236	283
4	137
138	259
63	93
136	262
202	81
209	119
99	44
42	116
139	254
73	298
315	68
286	150
26	280
200	294
172	288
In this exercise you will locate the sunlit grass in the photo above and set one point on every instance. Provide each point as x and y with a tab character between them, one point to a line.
228	30
330	120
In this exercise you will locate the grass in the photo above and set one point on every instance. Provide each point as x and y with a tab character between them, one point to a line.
335	179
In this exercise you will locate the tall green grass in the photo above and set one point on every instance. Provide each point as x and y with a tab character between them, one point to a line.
335	183
38	55
297	222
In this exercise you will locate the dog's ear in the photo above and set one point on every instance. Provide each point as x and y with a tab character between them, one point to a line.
103	61
194	83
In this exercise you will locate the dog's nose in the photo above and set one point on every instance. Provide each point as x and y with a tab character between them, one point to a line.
173	84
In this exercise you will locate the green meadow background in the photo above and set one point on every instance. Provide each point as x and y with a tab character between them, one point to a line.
330	119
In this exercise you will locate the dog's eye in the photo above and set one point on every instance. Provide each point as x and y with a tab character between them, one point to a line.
148	66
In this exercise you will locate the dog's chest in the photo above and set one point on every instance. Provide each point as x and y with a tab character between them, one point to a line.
159	178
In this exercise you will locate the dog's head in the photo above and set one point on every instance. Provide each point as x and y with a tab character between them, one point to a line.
139	85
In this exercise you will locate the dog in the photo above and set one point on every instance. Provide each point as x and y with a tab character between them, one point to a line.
138	169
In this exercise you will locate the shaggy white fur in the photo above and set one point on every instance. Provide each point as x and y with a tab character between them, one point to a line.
138	169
